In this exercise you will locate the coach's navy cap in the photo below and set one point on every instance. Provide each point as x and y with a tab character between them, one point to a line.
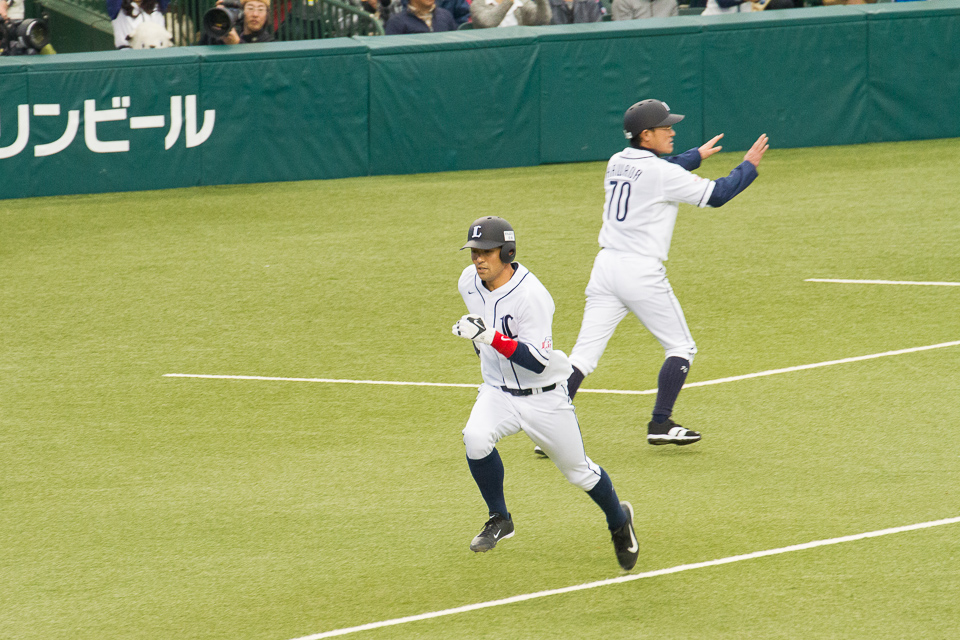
489	232
648	114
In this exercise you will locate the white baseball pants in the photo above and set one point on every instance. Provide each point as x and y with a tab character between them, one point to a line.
623	282
547	418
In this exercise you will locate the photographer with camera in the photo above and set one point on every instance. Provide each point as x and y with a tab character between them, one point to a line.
127	15
21	36
237	22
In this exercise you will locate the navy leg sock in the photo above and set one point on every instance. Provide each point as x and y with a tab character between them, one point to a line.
488	474
573	382
673	373
606	498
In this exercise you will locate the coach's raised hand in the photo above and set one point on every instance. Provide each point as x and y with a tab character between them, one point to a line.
755	154
710	147
472	327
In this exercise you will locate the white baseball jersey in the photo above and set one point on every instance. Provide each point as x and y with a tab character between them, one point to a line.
522	310
643	196
643	193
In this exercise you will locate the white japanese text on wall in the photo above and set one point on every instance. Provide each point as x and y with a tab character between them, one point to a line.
182	118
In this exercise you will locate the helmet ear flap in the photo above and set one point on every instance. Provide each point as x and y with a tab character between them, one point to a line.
508	251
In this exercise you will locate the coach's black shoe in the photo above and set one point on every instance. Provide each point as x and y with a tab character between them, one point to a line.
497	528
625	540
670	432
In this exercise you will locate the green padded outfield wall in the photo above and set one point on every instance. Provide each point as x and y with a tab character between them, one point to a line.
464	100
914	61
81	124
286	111
14	175
131	120
798	76
590	74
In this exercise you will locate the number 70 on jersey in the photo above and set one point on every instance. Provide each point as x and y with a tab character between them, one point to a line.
619	201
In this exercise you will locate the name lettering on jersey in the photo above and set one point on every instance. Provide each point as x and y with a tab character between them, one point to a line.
505	325
626	171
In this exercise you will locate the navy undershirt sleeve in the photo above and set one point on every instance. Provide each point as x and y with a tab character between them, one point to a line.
689	160
525	359
726	188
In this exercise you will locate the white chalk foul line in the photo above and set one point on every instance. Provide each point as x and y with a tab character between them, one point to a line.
927	284
820	364
702	383
627	578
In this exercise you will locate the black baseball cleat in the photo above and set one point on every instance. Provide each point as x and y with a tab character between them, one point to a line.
497	528
625	540
540	452
670	432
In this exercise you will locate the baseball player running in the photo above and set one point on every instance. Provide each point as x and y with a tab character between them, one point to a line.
510	322
643	192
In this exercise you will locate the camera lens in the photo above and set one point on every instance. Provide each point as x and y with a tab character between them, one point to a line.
217	22
33	34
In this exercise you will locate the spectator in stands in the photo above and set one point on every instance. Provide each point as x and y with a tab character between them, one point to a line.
420	16
370	6
459	9
636	9
256	15
575	11
352	25
127	15
510	13
388	9
311	19
716	7
11	9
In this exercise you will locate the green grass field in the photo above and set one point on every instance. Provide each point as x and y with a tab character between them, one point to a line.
136	505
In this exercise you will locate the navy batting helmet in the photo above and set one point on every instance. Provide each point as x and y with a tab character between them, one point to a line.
648	114
491	232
